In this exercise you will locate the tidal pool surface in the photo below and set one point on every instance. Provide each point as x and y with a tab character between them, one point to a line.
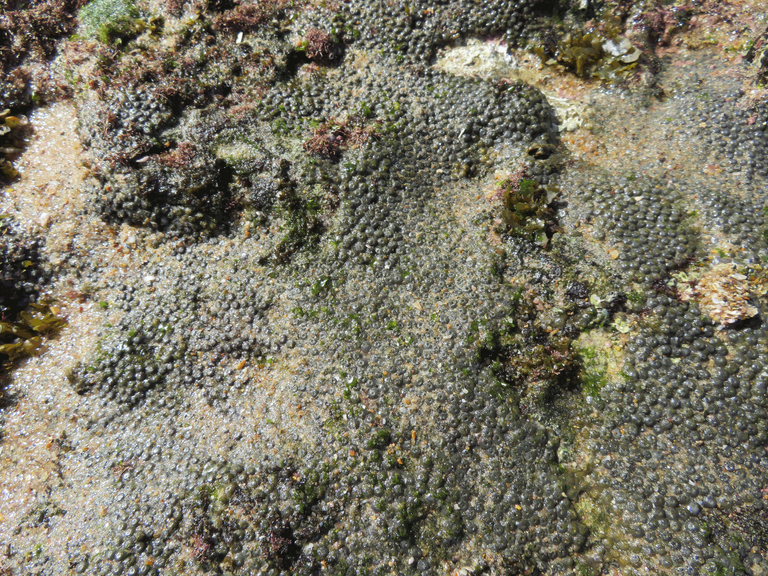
368	288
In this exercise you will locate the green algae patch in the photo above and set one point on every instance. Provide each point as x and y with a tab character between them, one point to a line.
111	21
600	360
528	208
591	54
594	516
24	336
595	51
14	131
379	439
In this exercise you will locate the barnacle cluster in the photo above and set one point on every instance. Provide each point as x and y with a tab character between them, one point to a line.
342	357
644	217
740	137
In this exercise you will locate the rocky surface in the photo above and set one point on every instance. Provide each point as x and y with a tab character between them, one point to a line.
383	288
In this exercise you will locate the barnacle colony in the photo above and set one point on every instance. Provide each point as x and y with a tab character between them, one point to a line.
326	351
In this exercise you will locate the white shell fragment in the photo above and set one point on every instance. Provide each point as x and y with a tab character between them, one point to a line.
723	294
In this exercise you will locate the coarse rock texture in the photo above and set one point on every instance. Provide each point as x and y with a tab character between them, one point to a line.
387	288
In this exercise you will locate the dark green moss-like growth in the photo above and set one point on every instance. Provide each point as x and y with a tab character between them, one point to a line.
14	132
537	365
230	504
592	54
528	208
24	319
379	439
310	489
301	227
29	30
23	336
